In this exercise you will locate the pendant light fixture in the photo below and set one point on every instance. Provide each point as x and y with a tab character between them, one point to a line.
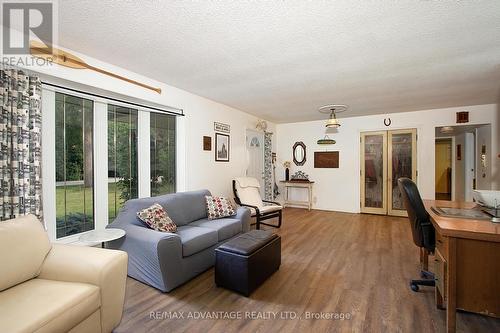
326	141
332	110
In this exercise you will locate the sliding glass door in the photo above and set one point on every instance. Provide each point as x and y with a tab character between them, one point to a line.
74	165
122	157
101	140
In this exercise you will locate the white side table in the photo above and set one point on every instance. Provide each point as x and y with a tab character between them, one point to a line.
102	236
308	185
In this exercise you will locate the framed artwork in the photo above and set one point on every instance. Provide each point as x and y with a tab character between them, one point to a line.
326	159
462	117
220	127
221	147
207	143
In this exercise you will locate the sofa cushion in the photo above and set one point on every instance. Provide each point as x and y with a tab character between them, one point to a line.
195	239
226	228
47	306
24	244
185	207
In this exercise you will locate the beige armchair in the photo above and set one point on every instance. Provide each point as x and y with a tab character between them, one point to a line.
48	287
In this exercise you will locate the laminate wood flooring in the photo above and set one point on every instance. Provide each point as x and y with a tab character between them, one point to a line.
340	272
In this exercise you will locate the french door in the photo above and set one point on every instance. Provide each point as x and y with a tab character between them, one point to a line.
386	156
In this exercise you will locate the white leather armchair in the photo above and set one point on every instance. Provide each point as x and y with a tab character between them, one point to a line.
48	287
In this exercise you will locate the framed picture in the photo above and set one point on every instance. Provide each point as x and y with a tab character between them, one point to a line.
220	127
221	147
326	159
462	117
207	143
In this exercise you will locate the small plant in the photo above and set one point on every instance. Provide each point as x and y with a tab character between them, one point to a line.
287	164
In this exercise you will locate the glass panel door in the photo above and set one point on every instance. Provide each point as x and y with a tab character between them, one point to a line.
373	172
402	163
74	165
163	152
122	157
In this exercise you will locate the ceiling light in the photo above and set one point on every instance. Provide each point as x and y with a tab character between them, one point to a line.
333	121
326	141
333	109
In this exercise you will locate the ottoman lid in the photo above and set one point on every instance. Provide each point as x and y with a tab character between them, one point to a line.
249	242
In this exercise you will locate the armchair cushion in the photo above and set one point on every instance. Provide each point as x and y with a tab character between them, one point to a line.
24	244
247	190
51	306
247	182
226	228
195	239
267	209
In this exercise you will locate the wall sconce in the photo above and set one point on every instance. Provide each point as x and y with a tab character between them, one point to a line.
261	125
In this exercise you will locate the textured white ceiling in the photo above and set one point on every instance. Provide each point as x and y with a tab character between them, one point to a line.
280	60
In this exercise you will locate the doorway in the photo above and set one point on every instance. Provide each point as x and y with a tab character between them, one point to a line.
255	157
469	156
443	172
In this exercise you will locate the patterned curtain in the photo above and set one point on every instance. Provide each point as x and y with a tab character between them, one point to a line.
20	144
268	166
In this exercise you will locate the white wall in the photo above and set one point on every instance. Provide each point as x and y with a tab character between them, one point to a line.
339	189
196	168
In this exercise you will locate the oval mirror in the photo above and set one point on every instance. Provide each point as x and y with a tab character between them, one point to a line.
299	153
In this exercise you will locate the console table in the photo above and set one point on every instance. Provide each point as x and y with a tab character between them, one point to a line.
298	184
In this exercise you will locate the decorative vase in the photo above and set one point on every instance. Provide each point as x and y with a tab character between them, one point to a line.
287	174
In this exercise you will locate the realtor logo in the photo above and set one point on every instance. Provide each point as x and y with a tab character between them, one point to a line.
23	22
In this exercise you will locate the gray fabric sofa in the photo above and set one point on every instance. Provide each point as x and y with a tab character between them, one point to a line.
166	260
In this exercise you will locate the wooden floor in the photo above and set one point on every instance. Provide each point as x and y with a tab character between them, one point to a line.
351	264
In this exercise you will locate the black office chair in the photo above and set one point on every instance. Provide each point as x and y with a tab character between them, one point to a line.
421	228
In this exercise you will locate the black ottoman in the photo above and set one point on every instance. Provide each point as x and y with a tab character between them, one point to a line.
245	262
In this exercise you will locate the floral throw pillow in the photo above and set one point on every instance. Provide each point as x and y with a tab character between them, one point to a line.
219	207
157	218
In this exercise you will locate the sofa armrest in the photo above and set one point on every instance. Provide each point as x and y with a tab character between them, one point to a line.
243	214
152	254
106	269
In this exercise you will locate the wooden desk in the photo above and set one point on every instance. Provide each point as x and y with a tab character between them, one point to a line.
298	184
467	263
